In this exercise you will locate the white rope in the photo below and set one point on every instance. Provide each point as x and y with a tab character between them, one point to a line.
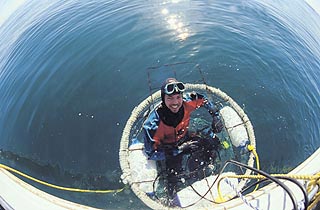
240	194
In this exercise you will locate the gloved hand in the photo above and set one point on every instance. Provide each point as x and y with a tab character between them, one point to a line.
194	95
189	146
216	125
216	142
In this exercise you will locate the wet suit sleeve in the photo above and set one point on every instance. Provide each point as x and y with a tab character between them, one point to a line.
212	109
201	101
151	142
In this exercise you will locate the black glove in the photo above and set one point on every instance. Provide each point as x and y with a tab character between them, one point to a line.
216	142
195	96
216	125
189	146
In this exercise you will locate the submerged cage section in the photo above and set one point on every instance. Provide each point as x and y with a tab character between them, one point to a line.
144	176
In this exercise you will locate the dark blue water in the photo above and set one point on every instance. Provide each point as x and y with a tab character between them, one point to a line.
72	71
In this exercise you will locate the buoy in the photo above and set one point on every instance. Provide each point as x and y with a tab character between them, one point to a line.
235	127
143	170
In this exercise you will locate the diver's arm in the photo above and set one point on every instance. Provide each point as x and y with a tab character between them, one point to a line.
151	142
212	109
205	102
150	126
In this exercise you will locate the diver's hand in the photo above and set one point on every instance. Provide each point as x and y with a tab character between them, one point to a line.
194	96
188	146
216	141
216	125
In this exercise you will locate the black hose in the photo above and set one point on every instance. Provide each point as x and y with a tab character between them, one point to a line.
294	202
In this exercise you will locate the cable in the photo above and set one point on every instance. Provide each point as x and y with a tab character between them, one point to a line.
262	178
294	202
306	202
56	186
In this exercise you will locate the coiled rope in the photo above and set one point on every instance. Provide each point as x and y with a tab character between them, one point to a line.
56	186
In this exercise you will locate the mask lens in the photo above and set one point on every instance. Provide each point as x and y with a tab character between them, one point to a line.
170	88
180	86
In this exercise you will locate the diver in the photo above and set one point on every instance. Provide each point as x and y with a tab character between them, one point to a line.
166	130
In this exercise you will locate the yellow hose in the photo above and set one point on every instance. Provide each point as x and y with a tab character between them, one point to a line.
252	149
56	186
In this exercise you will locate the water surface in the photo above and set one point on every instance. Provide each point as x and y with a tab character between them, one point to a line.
71	72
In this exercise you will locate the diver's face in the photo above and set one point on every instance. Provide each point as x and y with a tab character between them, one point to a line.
173	101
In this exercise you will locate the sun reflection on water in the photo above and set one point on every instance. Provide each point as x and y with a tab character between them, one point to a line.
176	22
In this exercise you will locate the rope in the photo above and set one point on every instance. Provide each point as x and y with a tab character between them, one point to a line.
254	152
314	182
56	186
271	178
315	201
294	176
240	195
